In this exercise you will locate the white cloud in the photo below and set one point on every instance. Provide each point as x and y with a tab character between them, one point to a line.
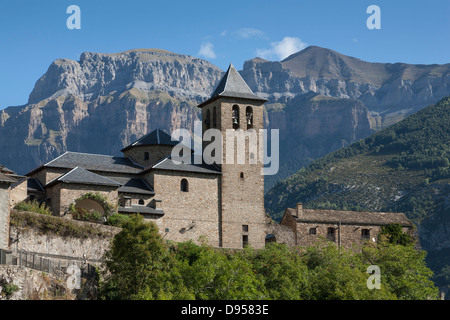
207	51
282	49
246	33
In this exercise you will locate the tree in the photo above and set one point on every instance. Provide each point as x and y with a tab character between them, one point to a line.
138	263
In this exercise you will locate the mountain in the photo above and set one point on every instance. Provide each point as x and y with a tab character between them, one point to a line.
318	99
380	86
403	168
104	102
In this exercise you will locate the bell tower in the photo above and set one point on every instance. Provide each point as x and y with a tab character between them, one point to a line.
238	113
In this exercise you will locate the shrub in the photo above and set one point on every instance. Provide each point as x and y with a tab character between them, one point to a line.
33	206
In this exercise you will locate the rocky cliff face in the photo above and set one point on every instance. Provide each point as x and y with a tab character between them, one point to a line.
104	102
380	86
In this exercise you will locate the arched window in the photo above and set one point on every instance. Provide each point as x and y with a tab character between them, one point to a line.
141	202
235	116
208	119
184	185
249	117
214	120
146	156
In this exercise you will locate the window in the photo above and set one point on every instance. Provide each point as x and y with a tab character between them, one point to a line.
126	201
208	119
312	231
331	234
244	240
141	202
365	234
244	228
214	124
249	116
184	185
235	116
146	156
242	175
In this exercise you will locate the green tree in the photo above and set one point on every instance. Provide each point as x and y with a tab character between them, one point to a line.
138	264
403	270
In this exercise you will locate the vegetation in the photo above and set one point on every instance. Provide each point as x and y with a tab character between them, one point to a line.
33	206
92	215
403	168
55	225
140	265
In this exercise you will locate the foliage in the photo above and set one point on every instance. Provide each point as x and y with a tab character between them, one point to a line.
117	219
55	225
92	215
140	265
33	206
395	235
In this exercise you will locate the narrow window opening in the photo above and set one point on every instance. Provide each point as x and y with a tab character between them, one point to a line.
146	156
208	119
331	234
184	185
249	116
214	120
235	117
242	175
244	240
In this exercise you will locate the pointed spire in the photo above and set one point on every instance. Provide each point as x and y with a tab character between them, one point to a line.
232	85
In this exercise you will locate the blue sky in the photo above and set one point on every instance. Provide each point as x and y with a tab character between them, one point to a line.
34	33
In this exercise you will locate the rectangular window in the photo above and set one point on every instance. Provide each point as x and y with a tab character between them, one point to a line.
244	240
365	234
244	228
312	230
331	234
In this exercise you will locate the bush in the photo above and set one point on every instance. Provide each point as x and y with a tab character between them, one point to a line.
33	206
117	220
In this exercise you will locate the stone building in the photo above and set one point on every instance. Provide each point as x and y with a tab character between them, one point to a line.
221	202
12	191
345	228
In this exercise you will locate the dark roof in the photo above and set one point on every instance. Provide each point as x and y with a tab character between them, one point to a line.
168	164
93	162
7	178
141	209
133	185
232	85
82	176
350	217
156	137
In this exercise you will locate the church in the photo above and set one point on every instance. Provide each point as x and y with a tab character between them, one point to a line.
222	203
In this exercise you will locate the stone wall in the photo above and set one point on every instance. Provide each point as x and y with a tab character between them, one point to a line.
188	215
90	247
4	214
18	193
62	195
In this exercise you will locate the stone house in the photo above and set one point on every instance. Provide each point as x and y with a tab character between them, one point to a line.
345	228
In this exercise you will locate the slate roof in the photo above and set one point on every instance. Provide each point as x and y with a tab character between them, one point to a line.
133	185
168	164
232	85
156	137
350	217
82	176
7	178
93	162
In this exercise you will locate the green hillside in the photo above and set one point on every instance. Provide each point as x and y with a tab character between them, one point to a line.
402	168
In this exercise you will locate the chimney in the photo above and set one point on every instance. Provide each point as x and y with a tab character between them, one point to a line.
299	209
